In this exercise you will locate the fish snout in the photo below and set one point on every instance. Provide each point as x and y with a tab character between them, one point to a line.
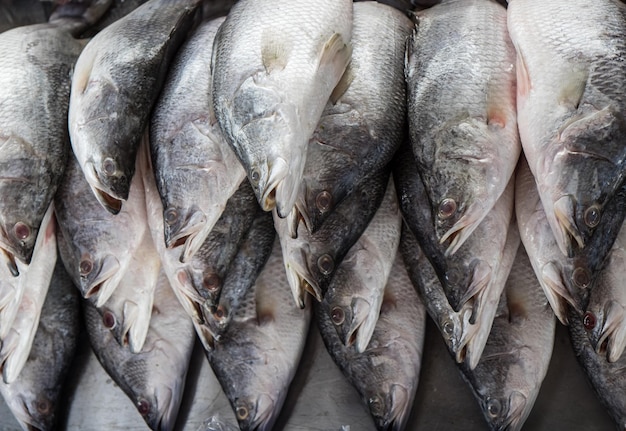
393	414
109	185
507	415
258	417
567	233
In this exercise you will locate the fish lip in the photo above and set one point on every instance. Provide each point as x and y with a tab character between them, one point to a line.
109	200
297	276
481	277
183	234
614	316
277	172
7	252
360	310
564	213
168	409
104	283
284	187
461	230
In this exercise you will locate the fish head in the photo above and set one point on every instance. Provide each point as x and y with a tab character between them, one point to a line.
299	275
347	313
506	413
606	327
17	241
390	409
181	225
159	410
256	412
466	277
98	276
34	411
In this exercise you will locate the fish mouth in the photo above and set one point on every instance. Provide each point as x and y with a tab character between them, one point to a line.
301	280
517	413
277	172
298	214
167	408
360	311
481	277
612	336
462	229
265	415
556	292
109	200
189	233
567	230
285	185
104	283
10	259
136	324
398	415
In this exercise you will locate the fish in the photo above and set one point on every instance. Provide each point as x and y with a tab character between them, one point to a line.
608	379
515	359
311	259
463	131
571	117
34	397
117	10
275	64
35	76
242	274
96	246
364	123
257	356
112	95
386	373
153	379
355	295
195	168
17	340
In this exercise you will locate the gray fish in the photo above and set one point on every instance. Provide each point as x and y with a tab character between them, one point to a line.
17	13
257	356
355	294
118	10
95	245
608	379
112	94
463	130
515	360
34	397
386	373
311	259
363	125
571	112
153	379
275	64
196	170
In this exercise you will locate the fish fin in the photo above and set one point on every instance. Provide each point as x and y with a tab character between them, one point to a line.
343	85
274	52
524	85
335	54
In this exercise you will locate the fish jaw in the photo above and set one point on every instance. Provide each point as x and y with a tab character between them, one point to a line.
35	414
463	228
557	294
513	415
396	412
566	232
349	331
278	190
300	278
188	231
459	294
106	195
263	416
136	324
606	331
102	283
167	407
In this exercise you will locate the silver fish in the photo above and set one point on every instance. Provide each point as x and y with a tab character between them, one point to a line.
463	130
355	294
275	64
257	357
153	379
364	123
515	359
195	168
115	84
571	116
34	397
386	373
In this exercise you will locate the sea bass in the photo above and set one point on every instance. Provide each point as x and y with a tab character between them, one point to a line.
115	84
275	64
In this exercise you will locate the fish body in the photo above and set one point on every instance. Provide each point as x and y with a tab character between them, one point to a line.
386	373
196	170
462	112
114	86
275	64
363	124
571	115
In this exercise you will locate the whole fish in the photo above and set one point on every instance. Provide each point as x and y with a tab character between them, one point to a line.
355	294
115	84
608	379
95	245
256	358
195	168
34	397
463	130
386	373
311	259
153	379
515	359
275	64
364	123
571	113
35	74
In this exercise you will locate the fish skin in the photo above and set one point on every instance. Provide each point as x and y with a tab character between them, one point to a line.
256	358
275	64
242	273
304	252
17	13
104	243
571	116
358	286
112	94
515	359
386	374
35	78
360	129
194	185
118	10
608	379
465	142
35	395
154	378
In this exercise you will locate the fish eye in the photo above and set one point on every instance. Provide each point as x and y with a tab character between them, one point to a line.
85	266
143	407
109	166
242	412
221	313
448	327
589	321
325	264
21	230
43	406
494	407
376	405
211	282
255	176
109	320
323	201
581	277
447	208
170	216
592	216
337	315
